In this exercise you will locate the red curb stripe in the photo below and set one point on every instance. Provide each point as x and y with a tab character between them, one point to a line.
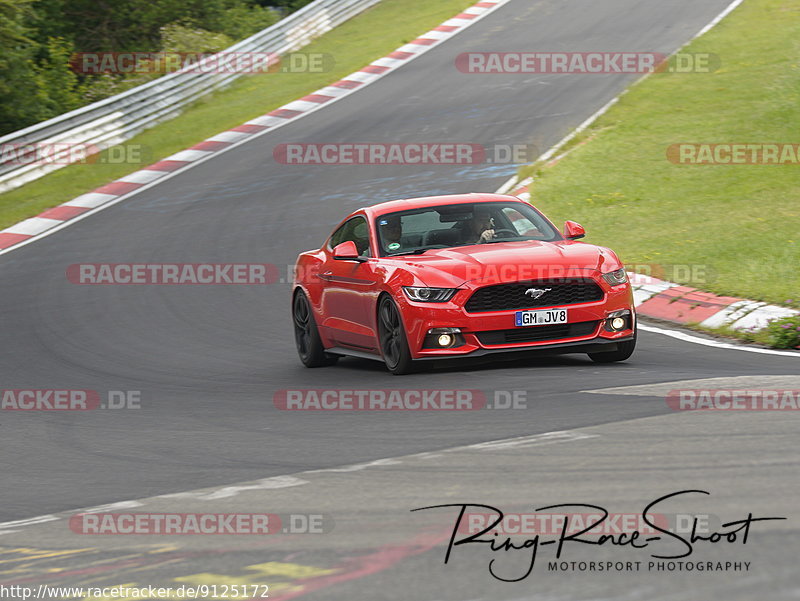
374	69
485	4
424	41
400	55
117	188
447	28
465	16
283	114
166	165
210	145
683	304
317	98
7	240
63	213
707	298
348	84
249	128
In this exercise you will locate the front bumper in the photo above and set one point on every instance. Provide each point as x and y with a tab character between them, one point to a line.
495	332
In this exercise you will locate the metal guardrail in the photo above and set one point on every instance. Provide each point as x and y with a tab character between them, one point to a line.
118	118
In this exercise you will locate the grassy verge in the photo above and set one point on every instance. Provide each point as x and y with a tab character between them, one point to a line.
739	223
370	35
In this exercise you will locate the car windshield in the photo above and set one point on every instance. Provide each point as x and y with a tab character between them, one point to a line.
417	230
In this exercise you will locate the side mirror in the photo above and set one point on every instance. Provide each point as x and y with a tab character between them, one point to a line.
346	251
573	231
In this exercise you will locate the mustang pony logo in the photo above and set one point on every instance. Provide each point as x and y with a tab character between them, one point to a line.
535	293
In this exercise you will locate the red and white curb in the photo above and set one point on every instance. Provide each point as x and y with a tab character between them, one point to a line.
681	304
104	196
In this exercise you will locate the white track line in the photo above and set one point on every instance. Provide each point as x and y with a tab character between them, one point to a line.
723	345
288	481
597	114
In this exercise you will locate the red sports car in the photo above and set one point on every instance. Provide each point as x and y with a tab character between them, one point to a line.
459	276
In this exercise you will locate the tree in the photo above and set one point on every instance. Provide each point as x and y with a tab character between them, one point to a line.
20	96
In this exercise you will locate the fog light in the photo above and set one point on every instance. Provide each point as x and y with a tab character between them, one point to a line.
443	338
617	321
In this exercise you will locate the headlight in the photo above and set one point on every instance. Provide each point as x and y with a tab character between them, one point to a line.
615	278
429	295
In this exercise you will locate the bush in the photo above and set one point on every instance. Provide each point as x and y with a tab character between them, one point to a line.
784	332
37	38
242	21
181	37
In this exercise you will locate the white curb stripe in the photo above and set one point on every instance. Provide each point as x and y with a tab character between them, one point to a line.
265	121
188	155
362	76
761	317
228	136
90	200
32	226
731	313
388	62
300	105
144	176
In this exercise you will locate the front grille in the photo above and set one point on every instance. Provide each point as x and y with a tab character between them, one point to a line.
538	333
502	297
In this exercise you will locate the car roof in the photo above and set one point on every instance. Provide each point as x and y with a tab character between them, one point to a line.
405	204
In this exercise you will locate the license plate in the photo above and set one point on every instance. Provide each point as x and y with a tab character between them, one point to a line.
540	318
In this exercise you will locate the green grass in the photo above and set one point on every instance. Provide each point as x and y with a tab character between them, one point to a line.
742	222
356	43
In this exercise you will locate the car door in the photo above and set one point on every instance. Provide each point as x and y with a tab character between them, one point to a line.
349	288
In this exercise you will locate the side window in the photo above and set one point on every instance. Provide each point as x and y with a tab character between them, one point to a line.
521	224
338	236
355	230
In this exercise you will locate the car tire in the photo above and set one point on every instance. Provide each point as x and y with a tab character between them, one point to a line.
623	352
392	338
306	334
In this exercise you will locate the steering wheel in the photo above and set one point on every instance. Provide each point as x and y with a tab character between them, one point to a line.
512	233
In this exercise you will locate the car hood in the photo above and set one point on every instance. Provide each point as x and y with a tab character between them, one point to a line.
486	264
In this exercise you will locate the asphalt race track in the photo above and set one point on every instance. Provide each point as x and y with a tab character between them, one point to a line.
208	359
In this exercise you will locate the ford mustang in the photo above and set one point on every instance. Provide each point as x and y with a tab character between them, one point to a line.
459	276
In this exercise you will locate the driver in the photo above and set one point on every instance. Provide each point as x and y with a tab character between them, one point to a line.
391	232
480	229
